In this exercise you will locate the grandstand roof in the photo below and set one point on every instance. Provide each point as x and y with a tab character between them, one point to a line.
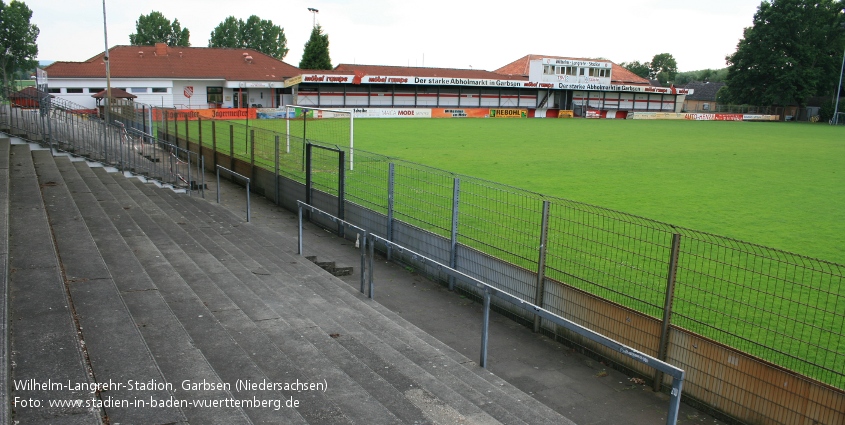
162	61
405	71
619	75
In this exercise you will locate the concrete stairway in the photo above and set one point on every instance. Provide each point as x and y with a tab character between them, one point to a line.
122	293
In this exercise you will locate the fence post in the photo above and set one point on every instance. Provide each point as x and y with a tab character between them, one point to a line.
307	166
187	140
363	246
214	142
276	173
199	134
541	264
232	147
391	173
252	154
453	256
341	191
662	350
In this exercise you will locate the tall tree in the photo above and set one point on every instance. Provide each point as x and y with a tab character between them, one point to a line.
17	39
155	28
664	68
642	69
264	36
790	53
316	53
227	33
255	33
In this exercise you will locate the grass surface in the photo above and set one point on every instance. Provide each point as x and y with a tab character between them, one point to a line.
775	184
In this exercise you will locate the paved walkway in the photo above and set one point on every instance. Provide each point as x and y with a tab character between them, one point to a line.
577	386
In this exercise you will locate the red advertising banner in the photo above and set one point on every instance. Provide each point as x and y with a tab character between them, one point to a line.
206	114
459	113
479	113
728	117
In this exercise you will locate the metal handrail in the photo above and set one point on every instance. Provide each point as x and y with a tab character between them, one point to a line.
676	373
220	167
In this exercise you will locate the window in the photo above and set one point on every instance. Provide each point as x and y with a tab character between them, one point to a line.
53	90
74	90
139	89
215	94
548	69
159	89
95	90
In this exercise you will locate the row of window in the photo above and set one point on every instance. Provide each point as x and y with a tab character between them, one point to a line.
94	90
576	71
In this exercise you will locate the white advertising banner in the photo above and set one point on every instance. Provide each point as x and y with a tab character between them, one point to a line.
392	112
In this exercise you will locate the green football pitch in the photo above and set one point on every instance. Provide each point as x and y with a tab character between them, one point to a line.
776	184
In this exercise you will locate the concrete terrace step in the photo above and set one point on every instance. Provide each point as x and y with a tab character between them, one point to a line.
45	346
171	346
374	382
357	373
99	308
194	294
355	403
400	337
191	298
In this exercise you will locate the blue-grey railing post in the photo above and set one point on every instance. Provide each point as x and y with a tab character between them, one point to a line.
675	400
276	173
485	328
363	246
218	183
453	255
541	263
247	201
391	173
299	227
372	267
663	348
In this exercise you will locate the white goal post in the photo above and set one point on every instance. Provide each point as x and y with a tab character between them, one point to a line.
334	133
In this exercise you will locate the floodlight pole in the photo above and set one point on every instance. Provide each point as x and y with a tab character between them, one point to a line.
314	13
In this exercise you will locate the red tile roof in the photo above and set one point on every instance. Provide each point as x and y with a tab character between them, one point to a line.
403	71
178	63
619	75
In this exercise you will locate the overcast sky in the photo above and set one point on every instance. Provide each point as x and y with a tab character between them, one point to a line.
433	33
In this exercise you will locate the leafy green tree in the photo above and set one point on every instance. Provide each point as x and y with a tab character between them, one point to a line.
264	36
642	69
790	53
155	28
227	33
17	39
316	53
664	68
255	33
